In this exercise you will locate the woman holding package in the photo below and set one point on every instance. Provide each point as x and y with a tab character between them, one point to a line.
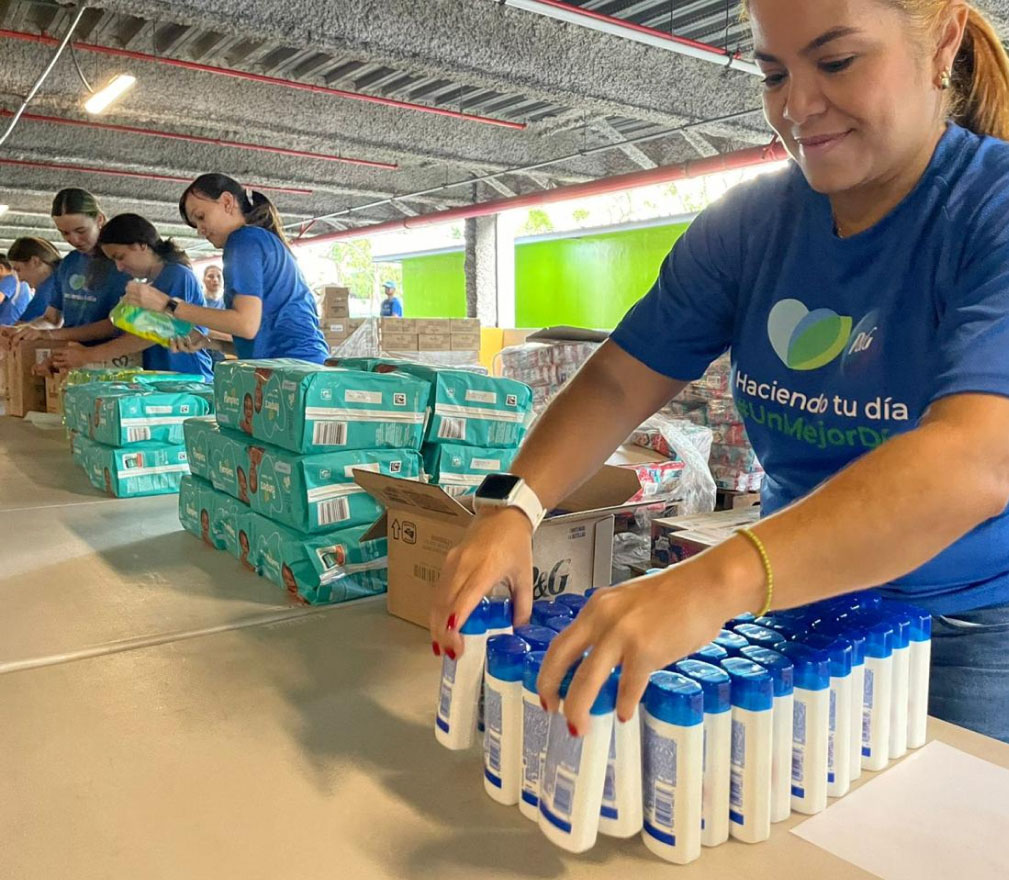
36	261
132	244
269	310
864	295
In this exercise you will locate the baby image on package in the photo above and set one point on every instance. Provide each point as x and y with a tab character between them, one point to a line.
219	521
198	433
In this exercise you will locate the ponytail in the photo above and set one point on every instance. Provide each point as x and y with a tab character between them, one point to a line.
127	229
980	80
256	208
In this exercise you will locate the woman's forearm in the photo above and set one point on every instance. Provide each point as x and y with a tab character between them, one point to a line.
230	321
122	345
96	331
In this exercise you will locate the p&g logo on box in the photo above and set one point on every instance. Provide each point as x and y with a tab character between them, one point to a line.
553	582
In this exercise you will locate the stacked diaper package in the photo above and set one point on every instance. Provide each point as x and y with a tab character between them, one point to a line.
128	435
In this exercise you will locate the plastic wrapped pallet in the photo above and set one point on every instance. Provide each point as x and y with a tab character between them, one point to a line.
323	569
459	470
138	470
307	408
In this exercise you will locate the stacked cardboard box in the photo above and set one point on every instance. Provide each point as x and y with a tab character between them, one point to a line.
430	334
273	472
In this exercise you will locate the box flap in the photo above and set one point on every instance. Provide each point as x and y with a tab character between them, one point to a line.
630	455
610	487
398	493
379	529
564	333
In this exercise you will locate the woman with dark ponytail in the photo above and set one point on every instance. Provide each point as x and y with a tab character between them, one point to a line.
268	308
133	246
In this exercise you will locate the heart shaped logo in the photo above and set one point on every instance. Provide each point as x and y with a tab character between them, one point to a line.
804	339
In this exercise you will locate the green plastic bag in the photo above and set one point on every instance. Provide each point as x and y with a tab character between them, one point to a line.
156	327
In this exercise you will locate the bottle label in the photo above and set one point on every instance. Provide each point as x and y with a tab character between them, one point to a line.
736	788
448	668
535	723
560	774
492	736
798	748
830	739
867	698
609	808
659	777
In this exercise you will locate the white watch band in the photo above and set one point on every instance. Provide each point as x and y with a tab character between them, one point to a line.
526	500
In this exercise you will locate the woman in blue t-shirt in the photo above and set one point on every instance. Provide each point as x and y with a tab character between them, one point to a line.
268	308
36	261
133	245
15	294
864	295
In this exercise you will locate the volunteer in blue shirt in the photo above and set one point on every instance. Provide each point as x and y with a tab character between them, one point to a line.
392	305
269	309
864	295
15	294
213	286
132	243
36	261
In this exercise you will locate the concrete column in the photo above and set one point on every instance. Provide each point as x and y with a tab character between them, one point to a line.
481	270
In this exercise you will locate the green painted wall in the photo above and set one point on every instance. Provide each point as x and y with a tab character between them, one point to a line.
589	281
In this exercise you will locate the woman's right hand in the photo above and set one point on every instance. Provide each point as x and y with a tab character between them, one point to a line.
497	549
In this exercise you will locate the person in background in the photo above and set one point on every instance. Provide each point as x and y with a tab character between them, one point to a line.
268	308
392	305
15	294
36	261
863	293
213	286
132	243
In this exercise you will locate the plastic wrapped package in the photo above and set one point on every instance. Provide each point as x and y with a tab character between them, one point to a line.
731	479
459	470
365	343
629	550
159	327
136	471
691	445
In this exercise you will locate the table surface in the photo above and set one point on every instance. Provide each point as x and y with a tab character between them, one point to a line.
301	747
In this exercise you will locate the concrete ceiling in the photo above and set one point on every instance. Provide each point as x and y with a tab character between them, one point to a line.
571	89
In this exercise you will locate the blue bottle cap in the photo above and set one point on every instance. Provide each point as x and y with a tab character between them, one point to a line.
732	643
862	599
752	685
606	700
710	653
901	627
531	664
921	620
714	681
851	632
544	610
499	615
778	624
838	648
538	637
476	623
760	635
674	699
812	666
573	601
878	635
745	617
589	593
505	654
559	624
781	668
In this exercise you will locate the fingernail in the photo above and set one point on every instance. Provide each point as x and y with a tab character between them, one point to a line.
450	624
622	720
543	703
436	648
572	730
450	653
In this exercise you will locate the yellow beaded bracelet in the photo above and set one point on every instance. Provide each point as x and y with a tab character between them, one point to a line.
768	572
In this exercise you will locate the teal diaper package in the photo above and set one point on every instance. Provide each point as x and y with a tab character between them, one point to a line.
307	408
138	470
198	433
459	470
220	521
321	569
194	507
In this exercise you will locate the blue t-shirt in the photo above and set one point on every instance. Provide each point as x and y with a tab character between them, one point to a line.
41	301
391	308
17	295
838	344
256	263
179	281
79	304
215	303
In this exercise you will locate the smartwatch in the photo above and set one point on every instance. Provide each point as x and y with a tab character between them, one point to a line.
509	490
172	304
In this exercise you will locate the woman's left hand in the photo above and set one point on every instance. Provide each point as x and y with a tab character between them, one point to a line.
138	293
72	356
191	344
641	626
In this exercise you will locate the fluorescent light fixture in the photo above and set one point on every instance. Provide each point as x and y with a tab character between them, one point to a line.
4	209
113	90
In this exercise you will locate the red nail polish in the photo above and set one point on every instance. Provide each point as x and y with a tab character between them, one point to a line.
450	653
436	648
622	720
572	729
450	624
543	703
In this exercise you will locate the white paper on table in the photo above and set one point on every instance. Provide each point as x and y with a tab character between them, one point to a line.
939	814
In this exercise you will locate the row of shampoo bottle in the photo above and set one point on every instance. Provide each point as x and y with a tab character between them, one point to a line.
535	724
461	678
499	622
810	727
621	811
503	717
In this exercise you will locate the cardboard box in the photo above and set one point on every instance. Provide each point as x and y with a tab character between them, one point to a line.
677	538
335	302
54	393
434	342
572	550
398	325
434	325
463	326
400	342
513	336
465	341
27	392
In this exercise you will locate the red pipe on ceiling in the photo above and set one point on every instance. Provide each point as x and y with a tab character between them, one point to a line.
197	139
774	152
261	78
140	175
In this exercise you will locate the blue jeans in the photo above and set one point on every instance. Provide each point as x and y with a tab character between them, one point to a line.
970	670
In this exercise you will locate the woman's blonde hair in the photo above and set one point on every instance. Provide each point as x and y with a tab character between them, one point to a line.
979	93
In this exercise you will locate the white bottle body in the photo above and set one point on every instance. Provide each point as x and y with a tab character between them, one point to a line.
459	693
673	762
571	787
781	762
502	631
535	725
839	742
898	701
717	776
810	743
621	812
750	785
876	712
502	752
857	696
917	693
